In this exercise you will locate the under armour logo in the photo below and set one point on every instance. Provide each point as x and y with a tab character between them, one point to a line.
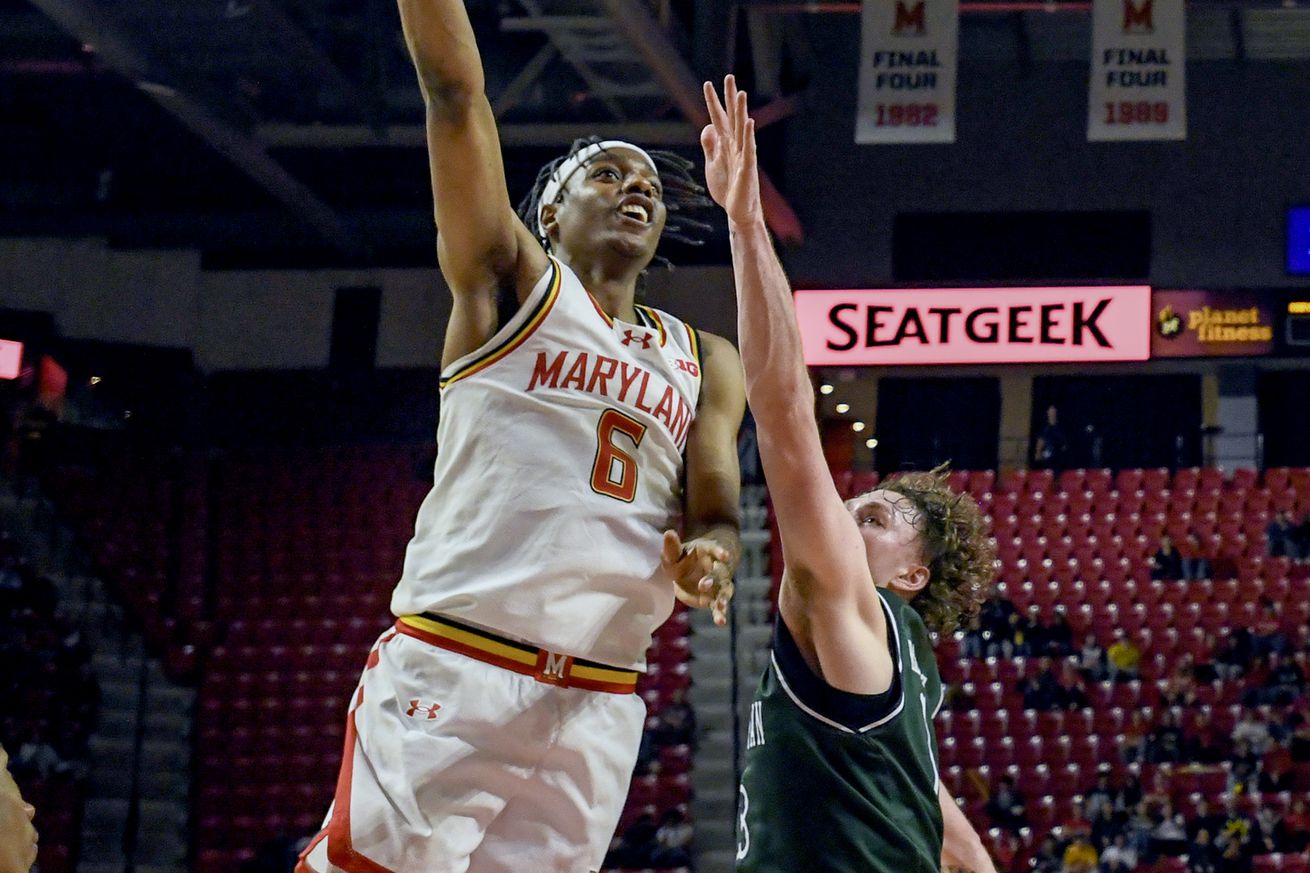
427	709
630	337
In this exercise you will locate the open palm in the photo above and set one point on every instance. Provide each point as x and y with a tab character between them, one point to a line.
729	143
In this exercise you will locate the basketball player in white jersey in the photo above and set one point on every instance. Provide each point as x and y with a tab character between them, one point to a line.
495	727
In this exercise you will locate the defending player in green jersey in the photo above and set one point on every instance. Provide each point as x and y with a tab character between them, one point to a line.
841	763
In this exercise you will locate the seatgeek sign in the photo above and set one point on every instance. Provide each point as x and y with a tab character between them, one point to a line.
889	327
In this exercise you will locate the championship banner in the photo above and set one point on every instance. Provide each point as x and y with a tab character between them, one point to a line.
1138	82
873	327
908	57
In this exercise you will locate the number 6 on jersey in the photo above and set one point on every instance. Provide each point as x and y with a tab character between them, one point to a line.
614	473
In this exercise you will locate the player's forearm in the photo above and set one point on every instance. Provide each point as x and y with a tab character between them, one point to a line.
777	383
961	846
445	53
725	533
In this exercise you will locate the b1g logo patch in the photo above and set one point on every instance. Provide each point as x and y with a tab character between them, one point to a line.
419	709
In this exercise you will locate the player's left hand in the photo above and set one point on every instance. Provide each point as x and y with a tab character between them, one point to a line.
729	144
701	573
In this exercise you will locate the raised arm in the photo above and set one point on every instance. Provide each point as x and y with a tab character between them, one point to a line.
481	244
827	567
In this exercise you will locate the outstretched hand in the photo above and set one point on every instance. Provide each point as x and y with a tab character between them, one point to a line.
701	573
731	173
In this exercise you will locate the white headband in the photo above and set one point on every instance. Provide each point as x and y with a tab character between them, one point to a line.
570	165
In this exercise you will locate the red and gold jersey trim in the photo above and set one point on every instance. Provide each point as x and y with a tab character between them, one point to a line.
530	325
655	321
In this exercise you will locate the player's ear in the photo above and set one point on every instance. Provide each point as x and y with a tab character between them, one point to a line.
549	220
913	579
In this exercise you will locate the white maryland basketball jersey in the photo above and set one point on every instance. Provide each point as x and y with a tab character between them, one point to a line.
559	463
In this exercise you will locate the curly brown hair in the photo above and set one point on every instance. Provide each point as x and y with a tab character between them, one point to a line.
961	554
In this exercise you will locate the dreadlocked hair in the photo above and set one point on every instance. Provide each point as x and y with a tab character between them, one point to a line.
961	554
683	197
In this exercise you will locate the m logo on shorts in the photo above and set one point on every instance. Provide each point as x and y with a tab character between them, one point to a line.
555	666
427	710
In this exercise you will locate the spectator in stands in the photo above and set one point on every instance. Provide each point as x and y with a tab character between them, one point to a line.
676	721
1041	691
1100	794
1092	661
1073	693
1169	837
17	836
1294	833
1299	743
1180	688
1048	858
1277	772
1232	657
1140	826
635	846
1130	793
1237	828
1167	562
1165	743
673	841
994	627
1279	536
1299	546
1109	824
1284	683
1252	729
1245	767
1201	854
37	758
1057	637
1051	450
1195	563
1118	857
1006	806
1080	855
1202	743
1204	820
1124	657
1268	638
1233	857
1132	742
1270	821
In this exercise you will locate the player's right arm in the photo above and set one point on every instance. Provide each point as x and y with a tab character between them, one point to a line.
481	244
829	600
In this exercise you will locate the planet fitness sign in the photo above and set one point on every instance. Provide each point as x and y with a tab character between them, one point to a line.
887	327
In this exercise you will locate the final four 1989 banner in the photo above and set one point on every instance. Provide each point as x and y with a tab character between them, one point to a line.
1138	88
907	71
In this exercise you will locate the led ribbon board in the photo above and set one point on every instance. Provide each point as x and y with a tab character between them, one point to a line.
888	327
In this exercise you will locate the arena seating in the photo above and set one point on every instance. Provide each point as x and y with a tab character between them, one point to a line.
50	701
1082	541
304	548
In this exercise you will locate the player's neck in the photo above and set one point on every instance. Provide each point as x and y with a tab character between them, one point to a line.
613	283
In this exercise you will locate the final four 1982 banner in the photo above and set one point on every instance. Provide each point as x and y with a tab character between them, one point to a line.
1138	88
907	71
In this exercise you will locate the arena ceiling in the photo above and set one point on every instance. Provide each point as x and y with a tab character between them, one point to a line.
266	129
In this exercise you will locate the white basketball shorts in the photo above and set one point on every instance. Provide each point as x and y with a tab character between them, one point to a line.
455	765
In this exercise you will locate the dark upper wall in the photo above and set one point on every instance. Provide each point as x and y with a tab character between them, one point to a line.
1217	199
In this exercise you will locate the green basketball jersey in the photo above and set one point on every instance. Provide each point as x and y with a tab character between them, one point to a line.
838	782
